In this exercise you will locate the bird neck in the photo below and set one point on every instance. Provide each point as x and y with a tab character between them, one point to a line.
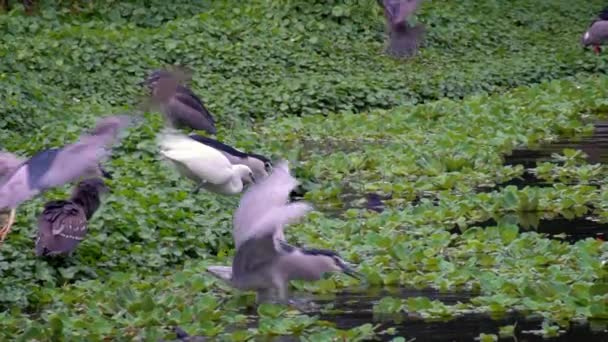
88	201
241	172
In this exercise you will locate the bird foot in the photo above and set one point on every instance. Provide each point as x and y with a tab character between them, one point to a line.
7	227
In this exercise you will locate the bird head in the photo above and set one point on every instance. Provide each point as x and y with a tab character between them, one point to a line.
93	186
330	261
260	165
245	173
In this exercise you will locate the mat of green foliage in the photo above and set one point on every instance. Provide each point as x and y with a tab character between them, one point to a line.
141	269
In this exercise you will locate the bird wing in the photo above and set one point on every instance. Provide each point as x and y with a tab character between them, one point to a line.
271	222
253	255
202	160
61	226
8	164
182	109
15	188
397	11
271	192
80	158
67	219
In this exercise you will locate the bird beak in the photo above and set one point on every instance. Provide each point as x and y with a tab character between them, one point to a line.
352	273
105	173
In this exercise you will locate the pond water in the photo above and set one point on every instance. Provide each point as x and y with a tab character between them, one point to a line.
595	146
354	309
556	227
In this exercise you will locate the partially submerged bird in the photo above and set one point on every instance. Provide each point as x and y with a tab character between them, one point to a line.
181	106
403	39
205	165
259	164
597	33
63	223
58	166
264	262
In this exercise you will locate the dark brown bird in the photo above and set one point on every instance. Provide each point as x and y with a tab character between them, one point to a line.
63	224
181	106
597	33
403	39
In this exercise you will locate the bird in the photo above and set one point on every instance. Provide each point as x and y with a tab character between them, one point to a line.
182	108
403	39
259	164
55	167
264	262
204	165
274	192
183	336
597	32
62	225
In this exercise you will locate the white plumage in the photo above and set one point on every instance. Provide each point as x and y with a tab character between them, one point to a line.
206	166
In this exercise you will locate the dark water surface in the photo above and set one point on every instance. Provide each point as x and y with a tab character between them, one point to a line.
355	309
595	146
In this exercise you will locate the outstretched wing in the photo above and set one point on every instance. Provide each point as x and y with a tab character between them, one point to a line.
261	198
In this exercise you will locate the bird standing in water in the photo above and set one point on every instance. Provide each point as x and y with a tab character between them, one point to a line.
264	261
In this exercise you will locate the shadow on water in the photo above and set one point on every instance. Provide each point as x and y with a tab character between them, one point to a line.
595	146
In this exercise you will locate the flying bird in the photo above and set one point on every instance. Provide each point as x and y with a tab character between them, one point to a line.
182	108
58	166
597	32
264	262
63	223
206	166
403	39
273	192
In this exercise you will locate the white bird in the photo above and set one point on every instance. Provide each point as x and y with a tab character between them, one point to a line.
206	166
260	165
264	262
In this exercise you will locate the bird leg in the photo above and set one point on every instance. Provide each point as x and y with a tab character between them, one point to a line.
198	188
7	227
597	49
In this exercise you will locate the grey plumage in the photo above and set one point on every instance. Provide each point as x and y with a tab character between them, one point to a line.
404	40
597	32
181	106
259	164
271	193
63	224
264	262
56	167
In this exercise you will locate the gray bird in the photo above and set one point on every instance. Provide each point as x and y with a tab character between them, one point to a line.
58	166
273	192
63	224
181	106
597	33
264	262
403	39
260	166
